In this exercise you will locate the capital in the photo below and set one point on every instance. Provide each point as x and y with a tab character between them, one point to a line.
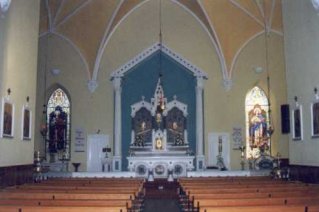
117	83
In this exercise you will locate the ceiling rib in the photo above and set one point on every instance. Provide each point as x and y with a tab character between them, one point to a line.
76	10
235	3
58	12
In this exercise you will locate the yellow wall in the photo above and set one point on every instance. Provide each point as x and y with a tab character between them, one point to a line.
301	50
226	109
182	33
18	69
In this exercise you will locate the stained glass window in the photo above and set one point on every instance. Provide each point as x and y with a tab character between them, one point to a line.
257	123
58	121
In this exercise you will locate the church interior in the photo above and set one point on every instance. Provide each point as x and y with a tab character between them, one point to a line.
147	97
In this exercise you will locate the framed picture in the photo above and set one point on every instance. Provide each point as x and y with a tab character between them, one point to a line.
315	119
297	123
26	123
7	118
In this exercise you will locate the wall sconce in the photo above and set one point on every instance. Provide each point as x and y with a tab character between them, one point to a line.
258	69
27	99
4	5
315	90
296	101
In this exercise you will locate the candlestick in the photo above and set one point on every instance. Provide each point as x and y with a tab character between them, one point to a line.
220	145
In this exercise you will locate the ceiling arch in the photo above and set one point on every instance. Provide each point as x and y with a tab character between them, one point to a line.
88	24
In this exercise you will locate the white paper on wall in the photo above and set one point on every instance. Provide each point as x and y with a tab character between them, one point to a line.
237	137
79	141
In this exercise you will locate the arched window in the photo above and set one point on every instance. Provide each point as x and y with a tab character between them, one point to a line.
58	122
257	123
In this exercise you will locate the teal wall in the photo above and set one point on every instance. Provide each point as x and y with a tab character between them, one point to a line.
141	81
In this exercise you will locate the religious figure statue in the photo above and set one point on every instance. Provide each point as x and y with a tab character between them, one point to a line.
176	133
57	130
142	126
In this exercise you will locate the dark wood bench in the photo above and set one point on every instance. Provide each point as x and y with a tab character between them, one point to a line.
89	196
255	195
72	195
41	202
276	208
242	194
11	208
245	190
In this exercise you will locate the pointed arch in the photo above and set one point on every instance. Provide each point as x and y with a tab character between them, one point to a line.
109	34
58	116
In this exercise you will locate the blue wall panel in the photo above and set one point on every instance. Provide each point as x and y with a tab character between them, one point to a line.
141	81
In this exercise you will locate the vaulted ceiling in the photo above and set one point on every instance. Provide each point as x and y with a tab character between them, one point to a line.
231	24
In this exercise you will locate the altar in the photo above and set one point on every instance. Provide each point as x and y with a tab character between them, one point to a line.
159	143
161	166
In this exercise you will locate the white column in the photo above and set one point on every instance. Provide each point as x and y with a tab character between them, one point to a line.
117	159
200	158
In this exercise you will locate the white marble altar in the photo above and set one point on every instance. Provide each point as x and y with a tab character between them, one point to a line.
161	166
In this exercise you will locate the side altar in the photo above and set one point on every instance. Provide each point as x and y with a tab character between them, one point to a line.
159	142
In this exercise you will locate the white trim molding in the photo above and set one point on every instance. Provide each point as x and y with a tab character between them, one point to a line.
152	49
92	85
227	83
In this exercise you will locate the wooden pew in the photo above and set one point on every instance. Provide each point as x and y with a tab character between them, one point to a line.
239	202
72	187
247	190
82	196
129	191
73	181
26	208
232	194
312	208
303	201
273	208
239	186
255	195
71	195
41	202
202	182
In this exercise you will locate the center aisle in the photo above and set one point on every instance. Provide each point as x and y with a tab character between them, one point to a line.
161	196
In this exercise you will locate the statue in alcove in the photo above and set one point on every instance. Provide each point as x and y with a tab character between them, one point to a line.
57	130
176	134
142	125
176	124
